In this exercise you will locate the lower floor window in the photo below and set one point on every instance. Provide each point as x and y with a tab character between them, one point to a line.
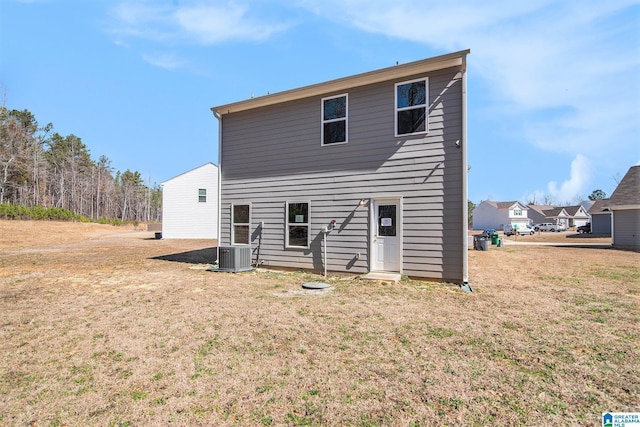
297	225
240	224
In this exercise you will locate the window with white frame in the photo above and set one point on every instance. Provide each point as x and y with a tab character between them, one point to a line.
411	107
517	212
297	225
202	195
240	224
334	120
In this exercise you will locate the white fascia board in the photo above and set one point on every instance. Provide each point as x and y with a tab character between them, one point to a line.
391	73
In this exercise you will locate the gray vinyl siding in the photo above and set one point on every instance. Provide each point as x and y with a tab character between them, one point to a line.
601	223
626	228
272	155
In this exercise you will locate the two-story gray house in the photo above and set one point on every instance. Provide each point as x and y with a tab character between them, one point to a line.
366	173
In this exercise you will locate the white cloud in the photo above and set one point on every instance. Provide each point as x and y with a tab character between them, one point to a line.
213	24
576	185
190	22
564	74
163	60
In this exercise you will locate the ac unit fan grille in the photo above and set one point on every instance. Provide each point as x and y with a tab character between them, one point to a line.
234	259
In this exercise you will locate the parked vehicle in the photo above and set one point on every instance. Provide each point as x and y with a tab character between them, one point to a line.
522	230
545	226
584	228
549	226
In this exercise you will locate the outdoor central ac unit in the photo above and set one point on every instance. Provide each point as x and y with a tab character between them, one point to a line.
234	259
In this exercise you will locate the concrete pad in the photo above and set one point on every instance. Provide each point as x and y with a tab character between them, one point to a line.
378	275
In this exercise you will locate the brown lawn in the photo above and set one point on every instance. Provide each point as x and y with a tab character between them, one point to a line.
106	326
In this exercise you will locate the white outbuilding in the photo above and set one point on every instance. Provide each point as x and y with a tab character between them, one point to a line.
190	204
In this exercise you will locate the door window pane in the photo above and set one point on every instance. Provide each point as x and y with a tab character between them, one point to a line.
387	220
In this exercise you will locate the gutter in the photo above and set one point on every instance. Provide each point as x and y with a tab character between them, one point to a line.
465	180
218	116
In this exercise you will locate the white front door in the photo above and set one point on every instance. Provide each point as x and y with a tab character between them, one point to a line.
386	236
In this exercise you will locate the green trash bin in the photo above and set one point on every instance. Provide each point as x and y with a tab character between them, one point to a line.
494	239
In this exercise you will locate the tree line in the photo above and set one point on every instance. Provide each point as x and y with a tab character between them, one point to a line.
41	168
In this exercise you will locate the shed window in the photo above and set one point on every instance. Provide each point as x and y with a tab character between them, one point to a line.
297	225
202	195
240	224
334	120
411	107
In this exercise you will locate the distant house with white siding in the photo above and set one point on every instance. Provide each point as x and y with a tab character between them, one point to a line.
578	215
558	216
383	154
624	204
569	216
497	215
190	204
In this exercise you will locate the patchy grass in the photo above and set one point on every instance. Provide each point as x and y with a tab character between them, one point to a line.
97	330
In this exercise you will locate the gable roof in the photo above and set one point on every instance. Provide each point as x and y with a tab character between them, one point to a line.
541	208
627	193
600	206
574	210
455	59
556	213
504	205
208	164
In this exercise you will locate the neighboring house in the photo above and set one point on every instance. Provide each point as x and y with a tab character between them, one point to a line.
489	214
557	215
570	216
537	213
624	204
383	154
600	217
578	215
190	204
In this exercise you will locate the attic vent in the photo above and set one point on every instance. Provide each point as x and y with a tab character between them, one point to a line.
235	259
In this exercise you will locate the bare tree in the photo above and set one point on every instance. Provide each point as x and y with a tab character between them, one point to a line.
40	168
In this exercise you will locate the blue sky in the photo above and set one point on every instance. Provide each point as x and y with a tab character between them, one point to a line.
553	86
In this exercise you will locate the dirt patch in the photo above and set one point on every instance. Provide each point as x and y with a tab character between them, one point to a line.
103	325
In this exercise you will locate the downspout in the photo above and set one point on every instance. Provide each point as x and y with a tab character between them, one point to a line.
218	116
613	234
465	189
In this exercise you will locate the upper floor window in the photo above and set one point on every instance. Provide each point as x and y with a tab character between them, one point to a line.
517	212
240	224
411	107
334	120
202	195
297	234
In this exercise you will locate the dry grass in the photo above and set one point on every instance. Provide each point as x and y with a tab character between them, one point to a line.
106	326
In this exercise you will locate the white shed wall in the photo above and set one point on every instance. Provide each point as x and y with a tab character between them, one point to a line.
183	215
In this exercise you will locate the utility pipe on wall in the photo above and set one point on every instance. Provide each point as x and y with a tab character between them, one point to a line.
325	230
